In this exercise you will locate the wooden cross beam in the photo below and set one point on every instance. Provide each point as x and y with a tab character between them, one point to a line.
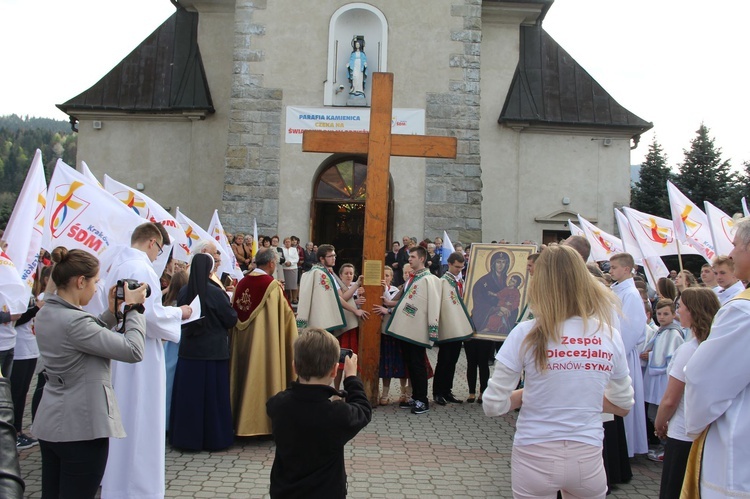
379	145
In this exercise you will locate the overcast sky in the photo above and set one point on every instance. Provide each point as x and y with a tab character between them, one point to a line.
676	63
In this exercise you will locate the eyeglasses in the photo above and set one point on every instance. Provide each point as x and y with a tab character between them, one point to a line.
332	255
161	249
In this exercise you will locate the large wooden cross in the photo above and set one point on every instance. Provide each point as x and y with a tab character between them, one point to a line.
379	145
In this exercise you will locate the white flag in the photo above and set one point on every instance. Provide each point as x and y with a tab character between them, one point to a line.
629	244
229	261
690	223
722	229
147	208
655	235
82	215
603	244
653	265
14	295
577	231
193	232
447	249
86	171
24	230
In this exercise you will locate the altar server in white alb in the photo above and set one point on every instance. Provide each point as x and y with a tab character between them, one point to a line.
633	333
729	285
717	388
135	468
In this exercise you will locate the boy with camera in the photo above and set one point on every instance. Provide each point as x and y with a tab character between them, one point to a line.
310	430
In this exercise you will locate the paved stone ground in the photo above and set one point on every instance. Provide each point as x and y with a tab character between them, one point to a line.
453	451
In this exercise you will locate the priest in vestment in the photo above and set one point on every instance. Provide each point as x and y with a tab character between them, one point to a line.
261	346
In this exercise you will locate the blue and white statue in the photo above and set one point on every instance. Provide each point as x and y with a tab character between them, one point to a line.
357	67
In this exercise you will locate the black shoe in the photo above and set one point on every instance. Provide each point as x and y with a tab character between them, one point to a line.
440	400
406	405
471	399
420	407
450	398
25	442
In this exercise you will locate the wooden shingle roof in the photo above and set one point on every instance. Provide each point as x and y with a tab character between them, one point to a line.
550	88
164	74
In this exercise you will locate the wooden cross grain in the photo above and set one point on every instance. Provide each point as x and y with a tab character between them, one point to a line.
379	145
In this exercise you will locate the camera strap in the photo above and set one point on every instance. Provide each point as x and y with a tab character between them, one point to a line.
120	316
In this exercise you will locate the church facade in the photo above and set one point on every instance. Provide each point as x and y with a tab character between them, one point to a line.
207	113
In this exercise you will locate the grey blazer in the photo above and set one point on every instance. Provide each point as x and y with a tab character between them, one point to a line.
78	401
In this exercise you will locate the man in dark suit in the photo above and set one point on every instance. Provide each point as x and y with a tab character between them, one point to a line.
402	258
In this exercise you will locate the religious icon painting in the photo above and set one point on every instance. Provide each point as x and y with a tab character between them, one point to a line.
495	290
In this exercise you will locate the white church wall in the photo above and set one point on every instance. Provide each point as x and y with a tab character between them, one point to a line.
499	145
295	60
578	167
150	152
532	171
209	138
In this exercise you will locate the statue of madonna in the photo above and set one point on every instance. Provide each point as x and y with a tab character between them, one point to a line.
357	67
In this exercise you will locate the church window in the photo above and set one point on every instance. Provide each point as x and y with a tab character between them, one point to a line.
344	181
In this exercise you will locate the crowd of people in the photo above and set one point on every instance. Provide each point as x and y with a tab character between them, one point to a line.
601	367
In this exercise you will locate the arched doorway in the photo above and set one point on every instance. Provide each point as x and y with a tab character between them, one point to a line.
339	208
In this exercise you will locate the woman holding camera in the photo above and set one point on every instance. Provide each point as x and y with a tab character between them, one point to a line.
78	412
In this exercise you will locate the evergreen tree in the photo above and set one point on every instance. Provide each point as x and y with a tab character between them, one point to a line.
19	139
740	189
650	193
704	176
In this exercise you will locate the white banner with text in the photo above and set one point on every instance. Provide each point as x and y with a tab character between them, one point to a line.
341	119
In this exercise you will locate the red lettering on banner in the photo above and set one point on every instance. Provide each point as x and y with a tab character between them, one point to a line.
81	235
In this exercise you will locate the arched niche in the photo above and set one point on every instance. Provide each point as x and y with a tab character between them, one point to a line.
348	21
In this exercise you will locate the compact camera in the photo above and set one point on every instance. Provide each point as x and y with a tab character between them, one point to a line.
132	284
345	352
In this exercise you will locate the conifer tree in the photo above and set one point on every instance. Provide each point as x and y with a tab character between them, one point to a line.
650	193
704	176
742	187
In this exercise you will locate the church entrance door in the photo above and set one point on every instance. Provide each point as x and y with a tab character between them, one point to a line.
339	209
554	236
